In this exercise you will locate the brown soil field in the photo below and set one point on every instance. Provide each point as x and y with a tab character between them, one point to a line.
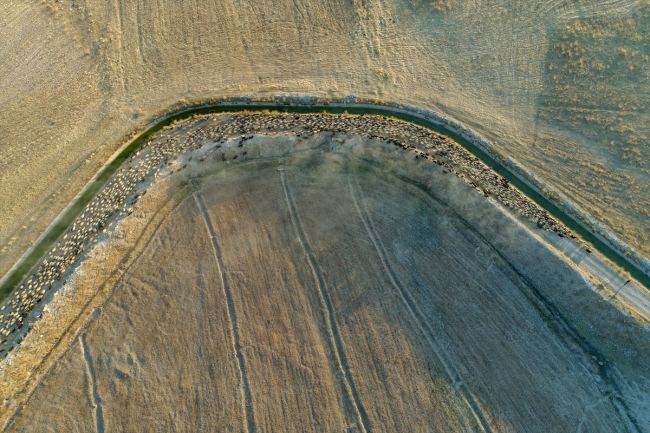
325	283
560	86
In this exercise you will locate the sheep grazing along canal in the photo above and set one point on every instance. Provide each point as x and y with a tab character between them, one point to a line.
122	191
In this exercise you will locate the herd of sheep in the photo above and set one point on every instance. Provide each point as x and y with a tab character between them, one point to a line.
124	188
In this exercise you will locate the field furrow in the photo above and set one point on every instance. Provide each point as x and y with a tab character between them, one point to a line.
246	399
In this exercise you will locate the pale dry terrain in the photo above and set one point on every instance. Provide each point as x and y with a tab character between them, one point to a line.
560	86
326	284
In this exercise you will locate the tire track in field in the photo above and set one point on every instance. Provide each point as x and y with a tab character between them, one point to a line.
93	392
416	313
119	42
332	328
246	395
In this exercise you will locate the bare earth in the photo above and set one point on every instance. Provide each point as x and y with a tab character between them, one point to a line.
326	284
561	86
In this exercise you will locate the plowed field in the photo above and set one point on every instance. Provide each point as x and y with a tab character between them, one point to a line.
318	291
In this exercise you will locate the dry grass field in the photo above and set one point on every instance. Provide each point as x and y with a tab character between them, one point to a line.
560	86
325	284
